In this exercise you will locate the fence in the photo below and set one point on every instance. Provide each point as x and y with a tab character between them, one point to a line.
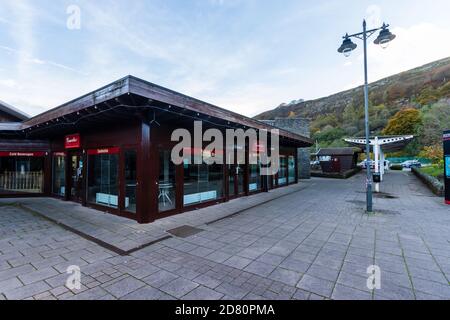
28	182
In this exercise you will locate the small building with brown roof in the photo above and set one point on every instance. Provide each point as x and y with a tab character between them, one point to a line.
338	160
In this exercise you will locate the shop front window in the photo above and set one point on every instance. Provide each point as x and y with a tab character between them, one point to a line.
21	172
130	181
282	173
167	182
255	177
231	180
103	180
59	174
203	183
291	169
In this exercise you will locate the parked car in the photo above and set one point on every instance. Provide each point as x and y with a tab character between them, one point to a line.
411	164
363	164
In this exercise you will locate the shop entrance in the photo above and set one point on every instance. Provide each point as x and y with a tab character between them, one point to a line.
76	165
236	178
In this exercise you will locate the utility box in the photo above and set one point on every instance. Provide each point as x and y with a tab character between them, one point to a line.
377	177
446	139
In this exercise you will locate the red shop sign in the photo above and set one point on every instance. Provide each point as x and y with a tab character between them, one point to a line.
114	150
72	141
21	154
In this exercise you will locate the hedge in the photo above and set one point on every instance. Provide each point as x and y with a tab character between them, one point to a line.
436	186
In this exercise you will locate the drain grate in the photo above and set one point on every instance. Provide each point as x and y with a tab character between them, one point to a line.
357	202
388	212
380	195
184	231
384	196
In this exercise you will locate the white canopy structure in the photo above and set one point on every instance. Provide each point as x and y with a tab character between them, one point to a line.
380	146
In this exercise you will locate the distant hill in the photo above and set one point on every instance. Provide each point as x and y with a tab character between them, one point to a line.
342	114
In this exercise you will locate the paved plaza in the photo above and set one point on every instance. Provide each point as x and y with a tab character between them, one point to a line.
310	241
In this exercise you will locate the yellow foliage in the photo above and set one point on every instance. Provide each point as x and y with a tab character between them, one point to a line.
434	153
406	121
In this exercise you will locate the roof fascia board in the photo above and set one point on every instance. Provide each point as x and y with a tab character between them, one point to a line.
158	93
108	92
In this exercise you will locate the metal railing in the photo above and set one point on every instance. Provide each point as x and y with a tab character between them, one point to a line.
28	182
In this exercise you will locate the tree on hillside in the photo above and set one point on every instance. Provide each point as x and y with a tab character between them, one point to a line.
436	118
434	153
292	115
406	121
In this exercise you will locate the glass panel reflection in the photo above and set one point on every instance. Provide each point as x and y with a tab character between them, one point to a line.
130	181
59	174
282	173
291	169
203	183
167	182
103	182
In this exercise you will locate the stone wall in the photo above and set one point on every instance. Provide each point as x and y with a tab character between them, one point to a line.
299	126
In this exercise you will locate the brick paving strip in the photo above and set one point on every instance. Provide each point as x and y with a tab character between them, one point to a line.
111	232
86	236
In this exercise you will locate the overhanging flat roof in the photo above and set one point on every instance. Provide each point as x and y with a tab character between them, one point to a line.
152	92
338	151
12	111
387	143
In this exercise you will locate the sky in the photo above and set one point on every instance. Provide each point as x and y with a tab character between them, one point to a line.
248	56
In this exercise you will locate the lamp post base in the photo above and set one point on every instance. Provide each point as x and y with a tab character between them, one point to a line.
377	188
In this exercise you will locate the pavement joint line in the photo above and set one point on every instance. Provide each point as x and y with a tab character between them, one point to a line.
434	259
122	252
101	243
255	206
318	225
407	268
374	258
343	261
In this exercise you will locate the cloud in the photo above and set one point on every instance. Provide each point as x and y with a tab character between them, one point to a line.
228	3
228	52
414	46
9	83
28	58
374	16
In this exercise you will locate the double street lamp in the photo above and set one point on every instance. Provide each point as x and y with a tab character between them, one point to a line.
384	38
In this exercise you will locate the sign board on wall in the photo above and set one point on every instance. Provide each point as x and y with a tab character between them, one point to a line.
72	141
22	154
113	150
447	166
446	138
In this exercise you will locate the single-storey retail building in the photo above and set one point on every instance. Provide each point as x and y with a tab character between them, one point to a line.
111	150
338	160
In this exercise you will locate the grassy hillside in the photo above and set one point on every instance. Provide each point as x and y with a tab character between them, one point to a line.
426	89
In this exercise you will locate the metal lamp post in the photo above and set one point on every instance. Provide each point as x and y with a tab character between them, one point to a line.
384	38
